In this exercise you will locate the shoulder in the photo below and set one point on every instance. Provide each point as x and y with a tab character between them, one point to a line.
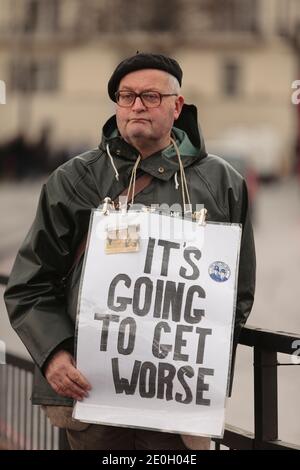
225	185
73	177
218	174
76	167
79	164
214	166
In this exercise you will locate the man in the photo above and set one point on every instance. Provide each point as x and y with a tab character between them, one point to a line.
146	89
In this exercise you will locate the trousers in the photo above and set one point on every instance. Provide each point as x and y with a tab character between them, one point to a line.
85	436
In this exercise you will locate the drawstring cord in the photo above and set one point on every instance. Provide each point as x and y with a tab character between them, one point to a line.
132	181
112	162
184	187
132	176
176	180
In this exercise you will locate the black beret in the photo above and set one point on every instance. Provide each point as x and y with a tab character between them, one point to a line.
143	61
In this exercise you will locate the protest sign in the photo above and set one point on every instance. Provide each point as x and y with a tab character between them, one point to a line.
155	323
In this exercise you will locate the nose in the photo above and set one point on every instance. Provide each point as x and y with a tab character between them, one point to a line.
138	105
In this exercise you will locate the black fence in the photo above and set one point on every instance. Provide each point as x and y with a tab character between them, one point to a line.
266	345
24	426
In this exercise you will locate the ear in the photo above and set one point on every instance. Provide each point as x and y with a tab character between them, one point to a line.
178	106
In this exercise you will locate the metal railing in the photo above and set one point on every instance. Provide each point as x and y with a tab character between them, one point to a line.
24	426
266	345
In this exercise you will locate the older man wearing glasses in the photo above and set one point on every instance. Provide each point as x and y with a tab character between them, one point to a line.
156	137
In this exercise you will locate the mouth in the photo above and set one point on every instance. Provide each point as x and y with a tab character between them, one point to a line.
139	120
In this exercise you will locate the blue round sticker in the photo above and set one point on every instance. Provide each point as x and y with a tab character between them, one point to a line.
219	271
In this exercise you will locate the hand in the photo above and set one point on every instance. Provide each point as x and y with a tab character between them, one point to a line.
64	378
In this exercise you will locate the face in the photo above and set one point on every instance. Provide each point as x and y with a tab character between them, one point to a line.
148	128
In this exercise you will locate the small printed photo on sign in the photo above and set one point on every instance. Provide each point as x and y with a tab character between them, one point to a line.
122	239
219	271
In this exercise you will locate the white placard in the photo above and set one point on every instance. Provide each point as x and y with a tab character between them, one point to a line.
155	326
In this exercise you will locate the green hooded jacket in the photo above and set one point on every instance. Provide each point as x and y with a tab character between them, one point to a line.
41	307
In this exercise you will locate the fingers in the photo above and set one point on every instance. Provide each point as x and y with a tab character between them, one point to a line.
76	376
68	388
64	378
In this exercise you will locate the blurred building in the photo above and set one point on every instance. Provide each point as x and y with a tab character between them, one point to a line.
239	58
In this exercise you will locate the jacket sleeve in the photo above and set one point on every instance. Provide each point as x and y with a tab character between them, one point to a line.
34	296
239	209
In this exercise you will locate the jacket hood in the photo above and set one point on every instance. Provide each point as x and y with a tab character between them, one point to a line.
186	131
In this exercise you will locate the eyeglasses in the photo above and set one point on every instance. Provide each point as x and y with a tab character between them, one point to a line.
150	99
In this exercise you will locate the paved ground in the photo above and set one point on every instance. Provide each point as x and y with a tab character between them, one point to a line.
277	233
